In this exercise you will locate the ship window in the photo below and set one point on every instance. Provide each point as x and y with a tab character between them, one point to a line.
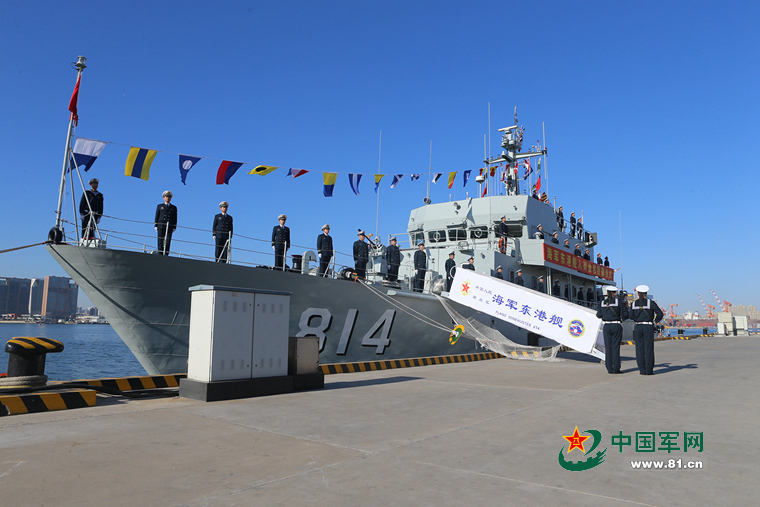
457	234
417	237
479	232
436	236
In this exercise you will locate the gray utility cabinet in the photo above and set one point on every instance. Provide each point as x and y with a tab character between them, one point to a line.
237	333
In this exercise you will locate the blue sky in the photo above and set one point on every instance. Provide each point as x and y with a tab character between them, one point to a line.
650	111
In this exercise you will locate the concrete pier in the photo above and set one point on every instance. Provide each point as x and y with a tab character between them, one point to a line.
486	433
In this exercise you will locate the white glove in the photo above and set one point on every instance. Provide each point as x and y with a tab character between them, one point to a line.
319	255
156	228
272	247
415	271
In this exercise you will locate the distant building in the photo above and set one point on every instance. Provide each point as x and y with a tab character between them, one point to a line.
59	298
14	296
35	296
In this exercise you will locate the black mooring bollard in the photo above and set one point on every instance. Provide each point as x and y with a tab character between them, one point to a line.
26	355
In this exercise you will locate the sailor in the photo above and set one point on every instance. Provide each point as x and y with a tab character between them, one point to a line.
501	228
451	270
324	249
556	289
590	297
280	242
580	229
555	238
606	262
645	313
420	267
586	255
470	264
393	259
165	222
577	250
519	279
499	274
509	183
361	255
539	234
541	287
580	297
222	232
95	205
572	224
561	220
567	244
612	310
535	195
599	258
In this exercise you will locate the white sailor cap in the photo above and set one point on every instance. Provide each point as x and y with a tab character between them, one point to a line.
224	204
504	217
94	180
394	238
282	217
360	233
498	268
541	277
452	253
167	193
420	243
326	226
610	288
539	225
519	270
642	288
471	259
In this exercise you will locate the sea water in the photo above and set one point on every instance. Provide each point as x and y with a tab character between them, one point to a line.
90	351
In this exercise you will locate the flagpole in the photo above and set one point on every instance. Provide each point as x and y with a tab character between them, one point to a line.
546	168
379	158
430	171
57	235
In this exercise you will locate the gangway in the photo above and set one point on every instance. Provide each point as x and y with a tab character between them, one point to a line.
566	323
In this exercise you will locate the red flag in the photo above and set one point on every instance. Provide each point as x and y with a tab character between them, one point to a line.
485	189
493	171
73	102
538	184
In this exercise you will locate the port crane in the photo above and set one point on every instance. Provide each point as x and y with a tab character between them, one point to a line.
725	305
672	315
709	310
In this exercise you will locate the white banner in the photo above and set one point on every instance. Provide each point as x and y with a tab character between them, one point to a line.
566	323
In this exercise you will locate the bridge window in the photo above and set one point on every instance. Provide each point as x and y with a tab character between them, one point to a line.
479	232
457	234
436	236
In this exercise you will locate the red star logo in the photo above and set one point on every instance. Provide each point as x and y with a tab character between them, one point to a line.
576	441
466	288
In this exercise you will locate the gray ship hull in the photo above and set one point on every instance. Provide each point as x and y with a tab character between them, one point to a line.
146	299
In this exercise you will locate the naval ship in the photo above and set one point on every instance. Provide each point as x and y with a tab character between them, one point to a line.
146	300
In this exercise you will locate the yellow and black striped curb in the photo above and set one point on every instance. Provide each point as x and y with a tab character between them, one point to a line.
46	402
329	369
133	383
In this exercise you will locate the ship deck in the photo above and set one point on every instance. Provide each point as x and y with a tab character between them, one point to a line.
482	433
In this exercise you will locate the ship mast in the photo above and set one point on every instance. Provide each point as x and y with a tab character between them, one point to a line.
55	234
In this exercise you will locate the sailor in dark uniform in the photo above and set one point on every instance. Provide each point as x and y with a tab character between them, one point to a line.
556	289
519	279
577	250
451	269
420	267
470	264
361	255
613	311
393	259
324	250
599	258
567	244
555	238
572	224
606	262
590	297
499	273
580	229
561	220
501	228
539	234
165	222
280	242
222	231
541	287
580	297
95	199
646	314
586	255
